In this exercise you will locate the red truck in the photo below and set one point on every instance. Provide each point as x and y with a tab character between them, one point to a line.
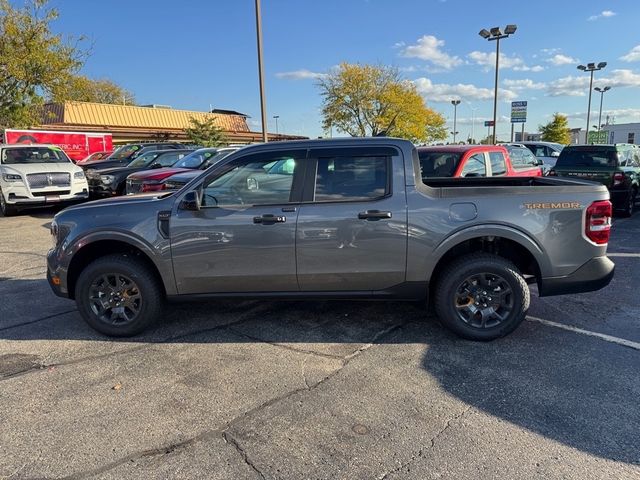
478	161
77	145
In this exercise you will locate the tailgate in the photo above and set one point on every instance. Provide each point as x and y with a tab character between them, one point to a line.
603	176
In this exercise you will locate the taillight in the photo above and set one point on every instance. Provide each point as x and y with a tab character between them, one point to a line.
598	222
552	173
618	178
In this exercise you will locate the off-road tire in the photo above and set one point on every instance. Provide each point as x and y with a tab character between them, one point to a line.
455	274
150	289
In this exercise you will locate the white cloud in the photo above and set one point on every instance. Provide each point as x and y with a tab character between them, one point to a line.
603	14
487	60
560	59
302	74
578	86
429	48
443	92
633	55
523	84
398	45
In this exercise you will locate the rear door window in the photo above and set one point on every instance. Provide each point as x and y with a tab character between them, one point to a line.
351	178
498	164
475	166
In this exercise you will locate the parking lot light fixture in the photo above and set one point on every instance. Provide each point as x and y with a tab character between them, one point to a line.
602	92
591	67
455	104
496	34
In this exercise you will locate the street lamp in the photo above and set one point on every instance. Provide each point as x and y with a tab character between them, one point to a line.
591	67
455	104
276	117
601	90
496	34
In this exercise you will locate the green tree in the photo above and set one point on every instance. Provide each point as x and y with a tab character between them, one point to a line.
369	100
83	89
35	63
557	130
205	133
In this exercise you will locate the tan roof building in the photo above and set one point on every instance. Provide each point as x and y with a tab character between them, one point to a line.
130	123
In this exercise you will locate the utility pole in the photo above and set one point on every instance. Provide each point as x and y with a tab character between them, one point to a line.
263	107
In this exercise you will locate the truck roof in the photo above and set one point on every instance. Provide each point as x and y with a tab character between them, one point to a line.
323	142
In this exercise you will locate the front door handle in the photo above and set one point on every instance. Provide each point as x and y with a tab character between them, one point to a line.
269	219
374	215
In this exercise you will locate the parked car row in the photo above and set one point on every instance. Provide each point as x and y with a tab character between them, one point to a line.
166	166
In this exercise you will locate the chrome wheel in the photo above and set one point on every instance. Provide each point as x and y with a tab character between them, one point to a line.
484	300
115	299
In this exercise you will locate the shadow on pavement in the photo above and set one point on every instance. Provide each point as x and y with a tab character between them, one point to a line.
578	391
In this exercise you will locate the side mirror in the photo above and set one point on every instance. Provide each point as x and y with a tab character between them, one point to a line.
540	162
191	201
555	154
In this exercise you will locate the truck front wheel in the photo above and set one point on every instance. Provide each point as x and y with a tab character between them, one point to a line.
481	296
118	295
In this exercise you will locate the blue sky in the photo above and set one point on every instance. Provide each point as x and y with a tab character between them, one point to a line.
194	53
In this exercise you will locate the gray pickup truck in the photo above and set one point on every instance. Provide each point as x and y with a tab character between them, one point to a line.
348	218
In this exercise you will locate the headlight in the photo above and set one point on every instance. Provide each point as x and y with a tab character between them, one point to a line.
107	179
11	177
79	175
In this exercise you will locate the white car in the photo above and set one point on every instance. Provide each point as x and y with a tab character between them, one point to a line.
38	175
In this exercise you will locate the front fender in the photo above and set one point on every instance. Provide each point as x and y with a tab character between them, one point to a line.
158	252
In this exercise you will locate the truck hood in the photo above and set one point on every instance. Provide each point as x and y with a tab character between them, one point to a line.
157	174
116	170
29	168
125	200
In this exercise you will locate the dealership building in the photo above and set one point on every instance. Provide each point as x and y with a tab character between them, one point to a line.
129	123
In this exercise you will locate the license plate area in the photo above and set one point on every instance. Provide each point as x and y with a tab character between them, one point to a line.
52	198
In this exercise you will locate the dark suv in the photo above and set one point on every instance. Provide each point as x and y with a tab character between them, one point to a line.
616	166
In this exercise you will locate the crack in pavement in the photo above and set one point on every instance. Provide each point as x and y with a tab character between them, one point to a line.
421	451
30	322
226	435
228	438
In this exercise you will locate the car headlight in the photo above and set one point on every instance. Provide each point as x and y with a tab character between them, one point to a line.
107	179
11	177
79	175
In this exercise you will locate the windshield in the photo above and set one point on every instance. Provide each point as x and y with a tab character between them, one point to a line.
596	157
124	152
195	159
17	156
438	164
143	160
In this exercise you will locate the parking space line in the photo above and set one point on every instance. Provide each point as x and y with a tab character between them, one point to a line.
601	336
610	254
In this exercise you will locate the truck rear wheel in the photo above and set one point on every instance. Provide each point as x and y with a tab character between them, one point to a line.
481	296
118	295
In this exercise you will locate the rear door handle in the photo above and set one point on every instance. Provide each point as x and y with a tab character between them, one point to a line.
374	215
269	219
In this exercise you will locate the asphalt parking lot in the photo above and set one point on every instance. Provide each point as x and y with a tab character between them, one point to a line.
254	389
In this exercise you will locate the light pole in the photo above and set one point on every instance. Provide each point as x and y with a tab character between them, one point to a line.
601	90
591	67
276	117
263	107
496	34
455	104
